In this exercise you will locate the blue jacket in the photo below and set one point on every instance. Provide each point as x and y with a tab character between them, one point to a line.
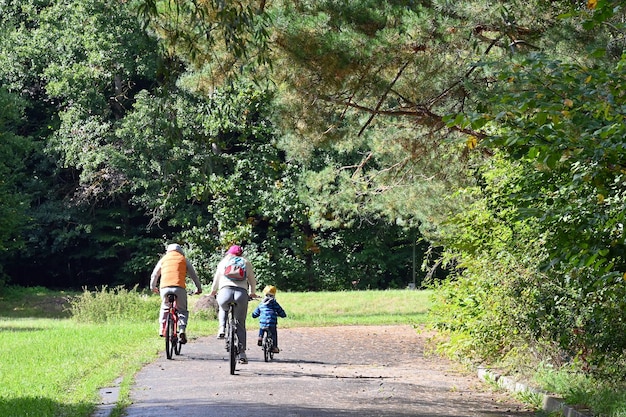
269	310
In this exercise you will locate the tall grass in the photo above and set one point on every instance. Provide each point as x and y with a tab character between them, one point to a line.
113	304
584	391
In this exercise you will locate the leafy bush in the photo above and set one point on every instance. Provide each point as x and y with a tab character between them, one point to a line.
118	303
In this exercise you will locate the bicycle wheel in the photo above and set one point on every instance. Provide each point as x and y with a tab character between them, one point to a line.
232	341
169	337
270	347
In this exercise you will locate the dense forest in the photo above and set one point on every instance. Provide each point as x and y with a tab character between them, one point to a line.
360	144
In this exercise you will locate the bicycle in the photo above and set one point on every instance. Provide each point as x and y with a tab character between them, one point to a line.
233	346
267	345
232	341
172	342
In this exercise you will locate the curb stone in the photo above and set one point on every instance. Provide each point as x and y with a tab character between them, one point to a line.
108	399
549	403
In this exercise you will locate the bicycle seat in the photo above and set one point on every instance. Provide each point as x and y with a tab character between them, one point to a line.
171	298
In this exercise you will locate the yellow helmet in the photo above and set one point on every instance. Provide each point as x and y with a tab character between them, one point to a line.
269	289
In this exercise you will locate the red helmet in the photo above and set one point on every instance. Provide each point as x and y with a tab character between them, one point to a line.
235	250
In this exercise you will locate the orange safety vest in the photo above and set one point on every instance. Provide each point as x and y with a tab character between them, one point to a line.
173	270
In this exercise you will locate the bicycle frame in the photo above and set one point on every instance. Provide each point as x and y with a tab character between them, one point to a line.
233	344
172	344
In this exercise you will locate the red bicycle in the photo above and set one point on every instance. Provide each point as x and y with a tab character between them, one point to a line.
170	327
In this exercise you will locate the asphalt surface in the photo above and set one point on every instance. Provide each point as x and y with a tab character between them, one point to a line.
338	371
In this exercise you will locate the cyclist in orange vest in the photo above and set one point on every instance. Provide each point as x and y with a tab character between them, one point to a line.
173	269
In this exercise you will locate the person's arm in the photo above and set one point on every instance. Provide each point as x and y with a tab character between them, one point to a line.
216	279
279	310
154	277
256	313
192	273
251	277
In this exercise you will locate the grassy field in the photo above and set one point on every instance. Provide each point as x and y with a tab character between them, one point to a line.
53	364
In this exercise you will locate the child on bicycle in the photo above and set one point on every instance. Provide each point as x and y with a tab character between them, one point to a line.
269	310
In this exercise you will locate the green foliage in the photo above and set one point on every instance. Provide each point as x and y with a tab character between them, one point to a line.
540	243
75	79
504	304
226	37
566	121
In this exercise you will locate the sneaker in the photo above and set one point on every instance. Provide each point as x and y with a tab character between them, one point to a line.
259	342
221	335
183	338
275	350
243	360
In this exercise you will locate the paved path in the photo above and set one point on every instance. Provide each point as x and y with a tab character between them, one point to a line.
337	371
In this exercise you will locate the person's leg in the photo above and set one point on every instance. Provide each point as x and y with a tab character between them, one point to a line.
224	296
164	307
221	315
183	312
274	332
241	312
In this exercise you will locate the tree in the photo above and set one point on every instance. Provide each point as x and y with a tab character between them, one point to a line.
431	81
13	201
556	121
75	67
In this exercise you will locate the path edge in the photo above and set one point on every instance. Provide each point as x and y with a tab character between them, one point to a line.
549	403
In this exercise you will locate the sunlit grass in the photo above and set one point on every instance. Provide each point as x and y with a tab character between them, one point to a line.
54	367
354	308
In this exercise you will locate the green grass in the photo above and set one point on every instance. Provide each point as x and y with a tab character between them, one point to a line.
53	365
583	391
35	302
354	308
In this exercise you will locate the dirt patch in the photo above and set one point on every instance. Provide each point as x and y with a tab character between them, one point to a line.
332	371
35	305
